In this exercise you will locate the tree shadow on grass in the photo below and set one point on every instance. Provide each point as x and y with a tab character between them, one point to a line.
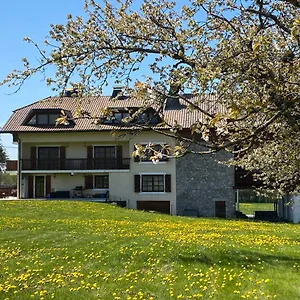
238	258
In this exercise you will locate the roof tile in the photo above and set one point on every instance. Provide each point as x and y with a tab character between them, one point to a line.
180	114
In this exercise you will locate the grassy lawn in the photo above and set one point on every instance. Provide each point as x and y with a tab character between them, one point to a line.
79	250
250	208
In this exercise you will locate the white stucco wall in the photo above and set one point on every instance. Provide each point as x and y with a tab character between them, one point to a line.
75	143
168	167
66	182
121	183
295	209
289	208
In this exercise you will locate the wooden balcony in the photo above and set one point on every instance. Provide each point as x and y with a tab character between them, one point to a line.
76	164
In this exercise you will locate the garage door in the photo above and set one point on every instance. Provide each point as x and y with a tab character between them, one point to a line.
159	206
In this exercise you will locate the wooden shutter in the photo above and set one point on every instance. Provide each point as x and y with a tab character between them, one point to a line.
30	186
62	156
89	181
48	185
137	183
90	157
168	183
119	157
33	158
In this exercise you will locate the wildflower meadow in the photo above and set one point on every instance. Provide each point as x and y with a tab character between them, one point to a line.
81	250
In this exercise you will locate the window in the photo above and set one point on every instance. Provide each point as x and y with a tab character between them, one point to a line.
32	121
101	182
152	183
105	157
48	158
148	117
52	118
116	117
104	152
44	117
155	148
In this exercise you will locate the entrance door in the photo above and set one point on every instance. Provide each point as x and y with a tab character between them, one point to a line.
39	187
220	209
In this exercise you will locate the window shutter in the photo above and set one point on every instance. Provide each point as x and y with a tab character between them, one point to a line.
48	185
137	183
119	157
90	157
30	186
168	183
89	181
33	158
119	151
62	156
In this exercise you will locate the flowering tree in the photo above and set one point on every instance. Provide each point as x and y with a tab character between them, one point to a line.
3	158
245	53
3	155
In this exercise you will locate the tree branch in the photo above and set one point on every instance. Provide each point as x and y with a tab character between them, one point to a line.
269	16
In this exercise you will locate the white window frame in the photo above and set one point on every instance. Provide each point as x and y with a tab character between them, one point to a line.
153	193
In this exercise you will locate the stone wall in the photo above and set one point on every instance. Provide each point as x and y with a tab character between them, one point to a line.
201	181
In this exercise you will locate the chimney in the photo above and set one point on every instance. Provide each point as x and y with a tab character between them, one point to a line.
117	90
71	92
172	101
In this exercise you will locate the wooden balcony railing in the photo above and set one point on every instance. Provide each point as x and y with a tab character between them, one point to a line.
76	164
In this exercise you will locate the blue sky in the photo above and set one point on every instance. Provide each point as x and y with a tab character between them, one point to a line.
32	18
17	20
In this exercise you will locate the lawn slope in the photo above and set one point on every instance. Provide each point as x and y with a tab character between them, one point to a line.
79	250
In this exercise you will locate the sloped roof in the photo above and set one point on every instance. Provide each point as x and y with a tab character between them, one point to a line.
179	114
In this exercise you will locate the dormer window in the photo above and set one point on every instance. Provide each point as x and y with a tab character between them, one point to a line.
148	117
116	117
44	117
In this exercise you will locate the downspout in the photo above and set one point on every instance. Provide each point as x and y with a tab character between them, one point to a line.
19	182
237	199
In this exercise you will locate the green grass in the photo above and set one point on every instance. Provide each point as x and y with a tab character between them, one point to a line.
250	208
80	250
